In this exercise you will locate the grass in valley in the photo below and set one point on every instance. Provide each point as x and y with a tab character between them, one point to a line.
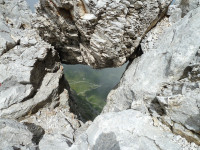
91	87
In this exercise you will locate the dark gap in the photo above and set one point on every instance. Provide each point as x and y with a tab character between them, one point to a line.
186	72
137	53
66	14
155	106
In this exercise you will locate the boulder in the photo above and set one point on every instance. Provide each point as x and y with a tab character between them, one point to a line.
129	130
32	86
164	81
97	33
172	52
31	75
14	135
180	103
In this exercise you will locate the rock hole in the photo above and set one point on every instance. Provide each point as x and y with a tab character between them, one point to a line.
90	87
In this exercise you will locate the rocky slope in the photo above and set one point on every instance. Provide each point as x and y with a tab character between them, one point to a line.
30	68
156	105
31	78
164	81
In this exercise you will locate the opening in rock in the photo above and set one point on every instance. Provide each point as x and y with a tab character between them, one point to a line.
90	87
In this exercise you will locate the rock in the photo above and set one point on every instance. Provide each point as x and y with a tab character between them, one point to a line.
129	130
52	142
164	81
185	6
58	121
97	33
19	16
31	74
138	5
180	102
14	135
37	131
32	85
160	88
30	77
172	52
61	127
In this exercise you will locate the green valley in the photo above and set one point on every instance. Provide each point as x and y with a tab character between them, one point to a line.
91	86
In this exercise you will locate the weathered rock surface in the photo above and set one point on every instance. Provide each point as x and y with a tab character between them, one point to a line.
97	33
31	79
30	69
59	124
129	130
14	18
14	135
182	7
164	81
179	105
165	61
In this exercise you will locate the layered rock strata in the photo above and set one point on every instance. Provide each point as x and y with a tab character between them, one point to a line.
97	33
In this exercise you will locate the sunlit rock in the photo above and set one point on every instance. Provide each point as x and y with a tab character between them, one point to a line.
97	33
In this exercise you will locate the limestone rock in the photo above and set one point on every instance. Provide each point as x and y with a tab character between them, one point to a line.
31	80
54	141
166	61
182	7
164	81
130	130
30	75
180	102
16	13
30	69
97	33
160	88
58	121
14	135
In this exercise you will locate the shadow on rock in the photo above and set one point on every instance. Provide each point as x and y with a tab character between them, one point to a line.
37	131
194	122
107	141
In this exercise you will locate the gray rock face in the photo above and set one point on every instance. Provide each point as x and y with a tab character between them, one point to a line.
129	130
56	122
180	103
31	78
97	33
164	81
54	141
14	135
30	75
18	17
182	7
166	61
30	70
